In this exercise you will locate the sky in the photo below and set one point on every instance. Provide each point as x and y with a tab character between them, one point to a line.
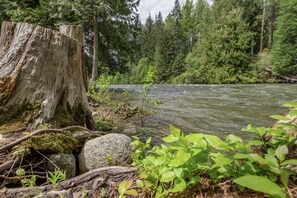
154	6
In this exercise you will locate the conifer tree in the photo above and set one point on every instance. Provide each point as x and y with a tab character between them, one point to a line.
148	39
284	51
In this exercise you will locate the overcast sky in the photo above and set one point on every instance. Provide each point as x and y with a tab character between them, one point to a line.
154	6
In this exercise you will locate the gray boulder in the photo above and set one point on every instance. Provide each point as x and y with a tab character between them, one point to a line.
63	162
108	150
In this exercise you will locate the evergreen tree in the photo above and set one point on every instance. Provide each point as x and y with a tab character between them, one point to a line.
148	39
221	52
178	43
163	39
284	51
187	23
252	14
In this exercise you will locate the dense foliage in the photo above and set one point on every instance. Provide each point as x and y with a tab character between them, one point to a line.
285	47
218	43
263	163
197	42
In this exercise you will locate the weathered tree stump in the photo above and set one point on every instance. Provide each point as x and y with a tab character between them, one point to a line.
42	76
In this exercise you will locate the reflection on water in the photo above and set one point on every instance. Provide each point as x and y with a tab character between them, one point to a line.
215	109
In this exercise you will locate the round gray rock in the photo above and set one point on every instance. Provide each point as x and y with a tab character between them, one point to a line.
108	150
63	162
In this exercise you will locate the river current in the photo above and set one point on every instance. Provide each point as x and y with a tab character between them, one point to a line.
214	109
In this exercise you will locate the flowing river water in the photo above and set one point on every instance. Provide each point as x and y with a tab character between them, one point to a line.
214	109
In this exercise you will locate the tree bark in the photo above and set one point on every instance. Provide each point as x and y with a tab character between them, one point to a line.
42	66
95	49
263	26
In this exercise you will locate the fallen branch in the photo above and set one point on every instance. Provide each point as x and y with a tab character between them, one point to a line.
90	181
6	165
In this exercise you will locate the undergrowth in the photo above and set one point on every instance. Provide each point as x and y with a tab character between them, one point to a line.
265	163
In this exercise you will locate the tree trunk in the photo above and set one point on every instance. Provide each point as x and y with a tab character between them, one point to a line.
42	75
263	26
95	49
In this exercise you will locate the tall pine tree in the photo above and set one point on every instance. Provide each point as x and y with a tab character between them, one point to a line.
284	53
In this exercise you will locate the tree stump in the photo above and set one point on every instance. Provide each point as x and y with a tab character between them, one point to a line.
42	76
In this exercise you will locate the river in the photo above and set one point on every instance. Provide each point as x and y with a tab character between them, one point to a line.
214	109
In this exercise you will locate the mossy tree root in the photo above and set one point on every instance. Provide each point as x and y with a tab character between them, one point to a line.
38	132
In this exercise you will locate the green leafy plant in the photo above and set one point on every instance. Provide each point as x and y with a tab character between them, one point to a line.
103	192
125	189
103	124
109	159
147	104
99	90
179	162
26	182
56	177
261	184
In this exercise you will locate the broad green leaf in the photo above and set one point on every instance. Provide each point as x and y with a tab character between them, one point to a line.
180	158
201	157
20	172
285	174
281	152
178	172
272	161
260	184
132	192
148	141
197	139
285	125
241	156
222	160
290	104
122	187
171	138
256	142
157	161
257	158
179	185
168	176
293	112
175	130
280	117
215	141
139	183
233	139
194	180
261	131
290	162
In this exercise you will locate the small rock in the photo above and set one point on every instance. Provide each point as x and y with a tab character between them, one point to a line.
64	162
108	150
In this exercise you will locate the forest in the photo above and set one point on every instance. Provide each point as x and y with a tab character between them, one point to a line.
95	102
232	41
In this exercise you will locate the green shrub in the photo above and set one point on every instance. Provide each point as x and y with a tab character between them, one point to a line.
179	162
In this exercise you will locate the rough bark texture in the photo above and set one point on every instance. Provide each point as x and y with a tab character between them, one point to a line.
95	49
263	26
39	65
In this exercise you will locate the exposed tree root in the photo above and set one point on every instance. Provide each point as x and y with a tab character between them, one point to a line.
38	132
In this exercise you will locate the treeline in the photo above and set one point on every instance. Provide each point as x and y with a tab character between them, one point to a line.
229	41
